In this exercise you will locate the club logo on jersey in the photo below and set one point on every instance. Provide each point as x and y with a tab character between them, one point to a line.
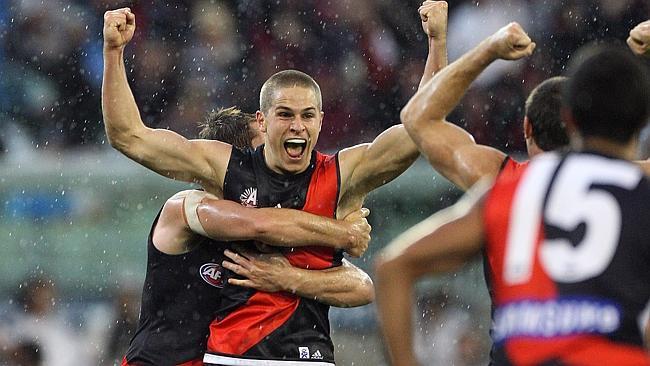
249	197
303	352
212	274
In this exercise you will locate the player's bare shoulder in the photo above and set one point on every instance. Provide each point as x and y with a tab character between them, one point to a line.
217	156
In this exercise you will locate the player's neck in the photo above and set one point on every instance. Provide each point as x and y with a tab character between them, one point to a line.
274	163
625	151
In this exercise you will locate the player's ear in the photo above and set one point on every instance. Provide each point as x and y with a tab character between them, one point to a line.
322	116
261	121
528	128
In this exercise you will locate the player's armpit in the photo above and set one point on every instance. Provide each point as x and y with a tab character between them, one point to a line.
453	152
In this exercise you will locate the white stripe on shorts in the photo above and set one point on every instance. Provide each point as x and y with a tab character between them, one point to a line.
232	361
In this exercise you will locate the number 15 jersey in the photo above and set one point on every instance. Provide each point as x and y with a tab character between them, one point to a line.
568	262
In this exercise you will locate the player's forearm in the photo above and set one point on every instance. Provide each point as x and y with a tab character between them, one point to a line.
435	100
295	228
120	111
344	286
229	221
436	59
395	307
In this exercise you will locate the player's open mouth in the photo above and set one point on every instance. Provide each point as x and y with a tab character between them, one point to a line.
295	147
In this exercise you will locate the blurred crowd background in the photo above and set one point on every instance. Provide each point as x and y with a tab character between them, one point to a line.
79	211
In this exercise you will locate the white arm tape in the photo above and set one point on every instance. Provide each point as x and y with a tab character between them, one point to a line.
190	204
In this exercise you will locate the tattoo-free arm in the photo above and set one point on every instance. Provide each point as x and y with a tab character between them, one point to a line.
372	165
434	22
450	149
343	286
230	221
442	243
162	151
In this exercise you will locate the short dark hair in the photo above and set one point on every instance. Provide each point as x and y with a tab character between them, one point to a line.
229	125
543	109
288	79
608	93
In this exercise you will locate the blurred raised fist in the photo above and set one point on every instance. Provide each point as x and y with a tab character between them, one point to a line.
434	18
510	43
639	39
119	26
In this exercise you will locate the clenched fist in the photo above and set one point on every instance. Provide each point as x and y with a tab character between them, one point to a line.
639	39
119	26
434	18
510	43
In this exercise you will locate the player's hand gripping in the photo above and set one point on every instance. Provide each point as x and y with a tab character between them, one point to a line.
266	272
119	26
359	232
434	18
510	43
639	39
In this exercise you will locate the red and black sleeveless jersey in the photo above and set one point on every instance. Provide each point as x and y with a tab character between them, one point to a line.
511	166
180	298
255	325
568	252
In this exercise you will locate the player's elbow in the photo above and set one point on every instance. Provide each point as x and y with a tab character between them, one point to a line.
116	140
366	292
407	115
413	117
362	293
120	140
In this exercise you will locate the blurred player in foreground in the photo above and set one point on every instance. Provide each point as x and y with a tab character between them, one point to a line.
182	290
565	237
255	327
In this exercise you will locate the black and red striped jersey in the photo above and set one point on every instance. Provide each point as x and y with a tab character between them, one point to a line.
568	252
511	166
254	325
180	298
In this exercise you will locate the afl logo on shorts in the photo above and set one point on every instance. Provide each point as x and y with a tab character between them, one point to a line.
212	274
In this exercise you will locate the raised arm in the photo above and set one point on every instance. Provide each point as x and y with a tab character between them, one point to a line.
367	166
441	243
451	150
342	286
196	212
433	15
162	151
